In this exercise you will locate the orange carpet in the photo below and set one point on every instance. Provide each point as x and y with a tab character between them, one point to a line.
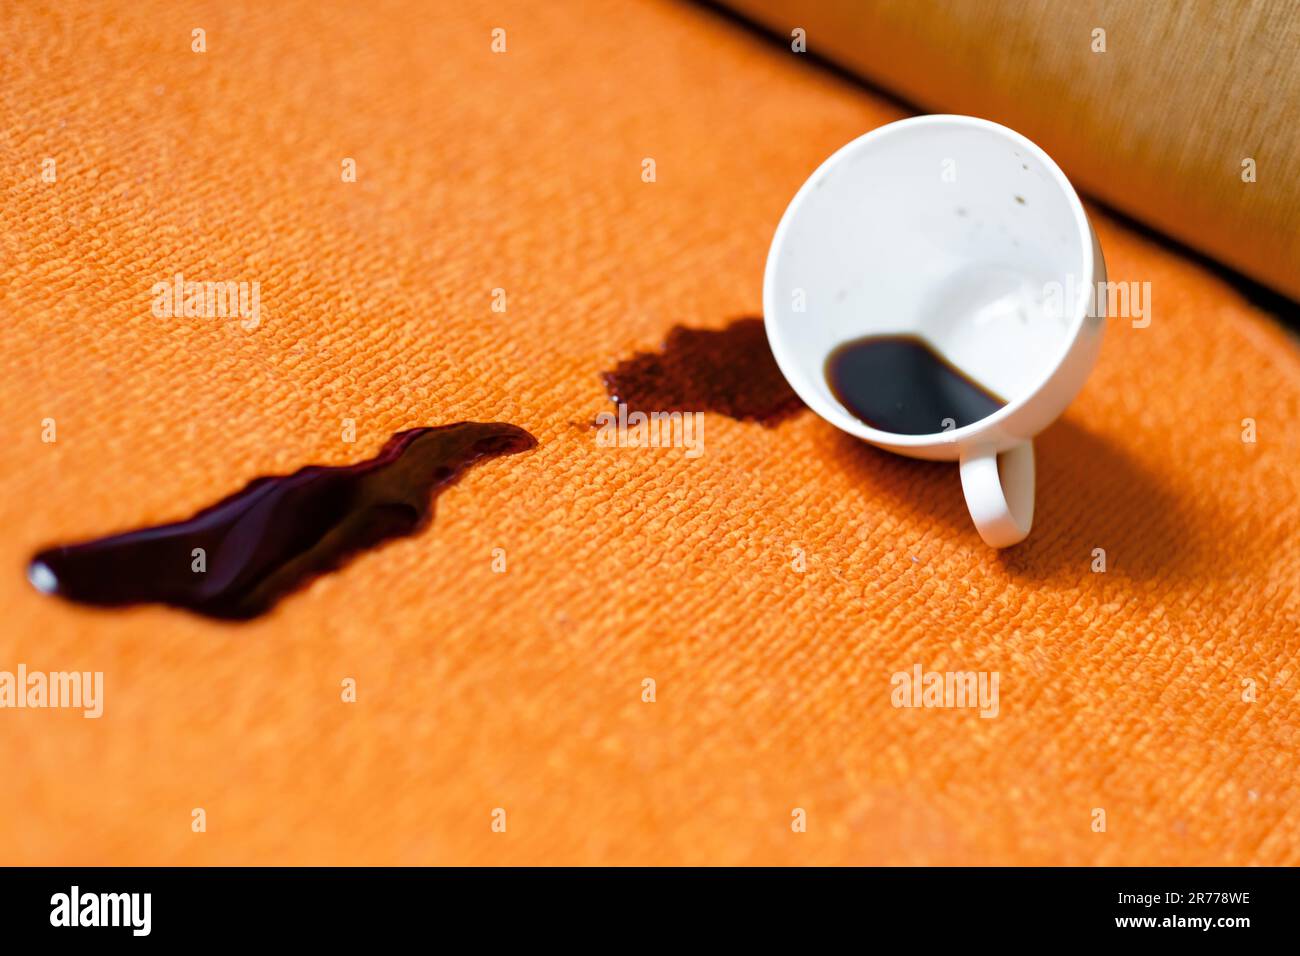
1120	691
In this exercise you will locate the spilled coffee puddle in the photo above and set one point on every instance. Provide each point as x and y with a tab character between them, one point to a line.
277	533
730	371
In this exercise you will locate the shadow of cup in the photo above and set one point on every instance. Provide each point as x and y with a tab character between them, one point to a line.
1092	494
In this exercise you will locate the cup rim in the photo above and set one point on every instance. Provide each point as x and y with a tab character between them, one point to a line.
848	422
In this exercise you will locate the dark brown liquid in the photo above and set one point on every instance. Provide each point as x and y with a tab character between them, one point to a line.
897	383
730	371
277	533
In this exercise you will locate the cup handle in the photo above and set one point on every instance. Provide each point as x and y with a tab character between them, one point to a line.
1000	499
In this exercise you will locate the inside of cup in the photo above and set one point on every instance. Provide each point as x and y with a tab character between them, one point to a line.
955	234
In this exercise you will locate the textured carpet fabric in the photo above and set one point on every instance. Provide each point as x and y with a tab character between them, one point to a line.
1162	692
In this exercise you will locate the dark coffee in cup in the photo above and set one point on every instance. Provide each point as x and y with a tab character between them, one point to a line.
899	384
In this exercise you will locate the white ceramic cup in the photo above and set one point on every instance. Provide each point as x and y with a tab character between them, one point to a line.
965	234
